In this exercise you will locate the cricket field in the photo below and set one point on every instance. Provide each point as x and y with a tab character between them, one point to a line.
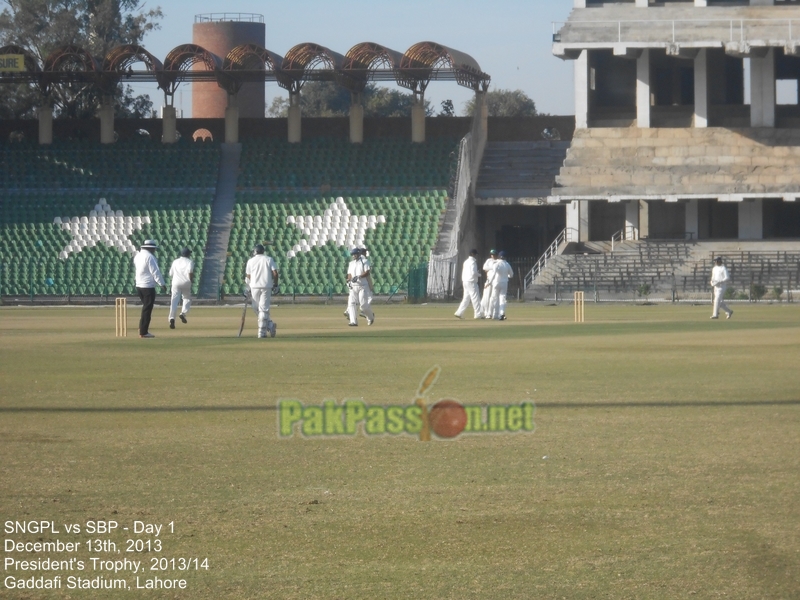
649	453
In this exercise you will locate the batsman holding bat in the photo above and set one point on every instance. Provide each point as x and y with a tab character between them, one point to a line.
261	274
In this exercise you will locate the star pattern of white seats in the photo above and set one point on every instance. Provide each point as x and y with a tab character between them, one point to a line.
102	225
337	224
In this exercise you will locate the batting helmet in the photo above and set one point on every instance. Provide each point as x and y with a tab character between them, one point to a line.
259	249
186	253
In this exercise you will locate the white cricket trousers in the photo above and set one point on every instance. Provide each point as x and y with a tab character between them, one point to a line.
719	300
470	295
485	297
497	302
359	298
184	290
261	301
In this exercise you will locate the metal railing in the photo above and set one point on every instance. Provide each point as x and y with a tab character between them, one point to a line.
681	30
229	16
567	235
629	232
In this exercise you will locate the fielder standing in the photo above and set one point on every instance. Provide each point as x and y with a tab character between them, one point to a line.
357	280
148	275
261	274
469	279
182	274
719	281
488	269
499	286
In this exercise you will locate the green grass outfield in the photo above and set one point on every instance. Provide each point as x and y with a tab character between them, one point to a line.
665	462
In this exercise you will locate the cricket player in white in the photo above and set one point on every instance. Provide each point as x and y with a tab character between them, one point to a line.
719	281
182	274
499	285
261	273
488	268
469	279
357	274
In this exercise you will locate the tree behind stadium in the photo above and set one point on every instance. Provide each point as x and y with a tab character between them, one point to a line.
97	26
326	99
506	103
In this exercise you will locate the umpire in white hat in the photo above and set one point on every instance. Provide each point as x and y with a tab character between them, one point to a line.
148	275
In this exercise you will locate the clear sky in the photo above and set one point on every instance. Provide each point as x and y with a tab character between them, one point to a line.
510	39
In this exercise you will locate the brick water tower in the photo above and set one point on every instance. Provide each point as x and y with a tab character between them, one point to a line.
219	33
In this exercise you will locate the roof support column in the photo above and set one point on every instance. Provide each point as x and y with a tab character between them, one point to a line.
581	74
106	114
46	124
644	219
169	125
632	218
481	114
418	118
762	90
701	88
578	219
643	90
232	120
356	119
295	118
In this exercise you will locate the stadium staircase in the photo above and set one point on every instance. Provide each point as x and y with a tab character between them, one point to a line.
221	222
520	169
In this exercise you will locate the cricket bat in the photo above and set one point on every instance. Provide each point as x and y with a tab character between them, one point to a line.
244	314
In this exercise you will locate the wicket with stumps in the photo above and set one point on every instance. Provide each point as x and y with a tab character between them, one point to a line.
579	314
121	316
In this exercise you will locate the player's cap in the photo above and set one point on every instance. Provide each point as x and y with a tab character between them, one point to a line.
259	249
355	251
150	244
502	254
718	260
186	253
492	251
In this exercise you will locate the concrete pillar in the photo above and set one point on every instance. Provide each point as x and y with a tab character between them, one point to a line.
574	221
701	3
232	120
356	119
295	118
46	125
632	217
418	119
751	220
579	4
762	90
584	221
642	3
581	75
169	125
692	219
106	114
644	219
643	90
482	113
701	88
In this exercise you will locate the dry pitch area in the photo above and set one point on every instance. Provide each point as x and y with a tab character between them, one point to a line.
665	461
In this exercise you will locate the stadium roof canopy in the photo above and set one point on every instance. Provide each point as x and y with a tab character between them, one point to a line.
365	62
